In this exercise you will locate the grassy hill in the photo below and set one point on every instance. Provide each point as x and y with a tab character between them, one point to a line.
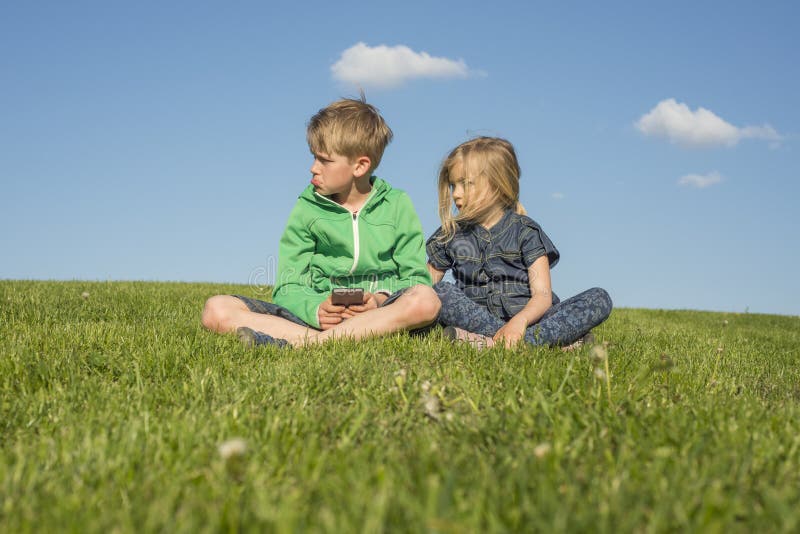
114	402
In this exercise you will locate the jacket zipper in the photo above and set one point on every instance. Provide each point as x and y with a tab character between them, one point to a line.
356	246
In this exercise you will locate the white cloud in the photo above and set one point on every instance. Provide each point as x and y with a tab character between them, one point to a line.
699	128
389	66
700	181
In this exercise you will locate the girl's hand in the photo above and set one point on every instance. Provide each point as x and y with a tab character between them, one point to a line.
512	332
329	315
371	302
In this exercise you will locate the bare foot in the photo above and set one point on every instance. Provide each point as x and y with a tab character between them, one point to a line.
587	339
478	341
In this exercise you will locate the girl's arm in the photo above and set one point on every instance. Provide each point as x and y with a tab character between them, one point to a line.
540	302
436	274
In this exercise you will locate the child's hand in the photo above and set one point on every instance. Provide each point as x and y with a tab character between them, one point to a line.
329	315
370	303
512	332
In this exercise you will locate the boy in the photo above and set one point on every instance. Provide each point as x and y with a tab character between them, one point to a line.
348	229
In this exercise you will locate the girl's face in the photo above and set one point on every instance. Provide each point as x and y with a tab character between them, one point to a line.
459	184
461	187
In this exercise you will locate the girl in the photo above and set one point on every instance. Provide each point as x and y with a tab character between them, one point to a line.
500	258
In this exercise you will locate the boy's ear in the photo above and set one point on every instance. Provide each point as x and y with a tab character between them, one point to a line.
362	166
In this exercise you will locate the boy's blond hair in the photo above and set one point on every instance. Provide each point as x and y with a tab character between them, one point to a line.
490	165
350	128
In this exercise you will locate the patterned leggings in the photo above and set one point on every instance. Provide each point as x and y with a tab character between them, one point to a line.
562	324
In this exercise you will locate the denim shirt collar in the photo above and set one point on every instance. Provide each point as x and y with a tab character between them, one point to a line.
498	229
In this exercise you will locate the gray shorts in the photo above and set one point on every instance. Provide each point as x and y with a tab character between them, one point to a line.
268	308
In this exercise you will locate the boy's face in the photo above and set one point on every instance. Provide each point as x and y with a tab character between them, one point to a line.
332	174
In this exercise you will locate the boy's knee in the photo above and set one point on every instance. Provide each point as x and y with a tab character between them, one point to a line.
423	303
216	313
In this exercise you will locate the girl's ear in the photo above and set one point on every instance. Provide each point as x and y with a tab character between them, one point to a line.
362	166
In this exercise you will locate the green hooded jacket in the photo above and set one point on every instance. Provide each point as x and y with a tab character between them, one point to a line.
380	248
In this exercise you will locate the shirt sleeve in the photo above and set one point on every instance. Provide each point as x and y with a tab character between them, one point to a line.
438	255
534	244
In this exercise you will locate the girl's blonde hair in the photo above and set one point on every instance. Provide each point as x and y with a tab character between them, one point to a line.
490	165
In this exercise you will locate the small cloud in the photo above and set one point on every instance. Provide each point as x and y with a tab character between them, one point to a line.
676	122
766	132
389	66
700	181
558	196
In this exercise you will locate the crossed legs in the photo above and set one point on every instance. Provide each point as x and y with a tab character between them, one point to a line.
417	307
564	323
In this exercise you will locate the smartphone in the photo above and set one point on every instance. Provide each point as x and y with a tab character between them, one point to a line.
347	296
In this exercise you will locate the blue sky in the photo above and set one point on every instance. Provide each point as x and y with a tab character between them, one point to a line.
166	140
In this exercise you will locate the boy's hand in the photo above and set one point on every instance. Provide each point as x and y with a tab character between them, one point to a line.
371	302
512	332
329	315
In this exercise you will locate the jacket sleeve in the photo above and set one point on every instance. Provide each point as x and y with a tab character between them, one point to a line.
293	287
409	250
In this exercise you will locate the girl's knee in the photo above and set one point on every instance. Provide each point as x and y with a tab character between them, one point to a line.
603	300
442	288
448	293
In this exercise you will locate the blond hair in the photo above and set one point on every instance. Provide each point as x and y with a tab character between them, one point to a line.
490	165
350	128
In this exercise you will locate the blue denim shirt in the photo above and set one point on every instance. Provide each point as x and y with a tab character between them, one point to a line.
491	266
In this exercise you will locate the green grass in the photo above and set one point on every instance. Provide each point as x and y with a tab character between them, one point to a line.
112	408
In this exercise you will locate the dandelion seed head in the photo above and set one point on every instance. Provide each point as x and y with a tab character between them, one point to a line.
542	450
599	373
599	353
431	405
232	448
425	386
85	295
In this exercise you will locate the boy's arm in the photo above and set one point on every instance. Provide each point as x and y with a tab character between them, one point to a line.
293	287
409	251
